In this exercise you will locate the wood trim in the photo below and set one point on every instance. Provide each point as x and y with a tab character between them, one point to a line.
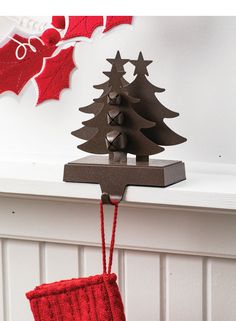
167	230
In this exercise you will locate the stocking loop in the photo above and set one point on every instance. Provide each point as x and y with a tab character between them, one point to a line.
112	243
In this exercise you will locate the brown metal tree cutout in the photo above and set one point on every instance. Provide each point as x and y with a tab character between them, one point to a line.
87	132
128	119
150	107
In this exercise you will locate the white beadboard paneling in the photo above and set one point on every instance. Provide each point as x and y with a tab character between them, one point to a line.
61	262
1	283
22	275
93	261
142	286
184	288
156	287
223	290
192	231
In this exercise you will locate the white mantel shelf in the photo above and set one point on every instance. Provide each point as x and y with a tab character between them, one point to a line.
206	186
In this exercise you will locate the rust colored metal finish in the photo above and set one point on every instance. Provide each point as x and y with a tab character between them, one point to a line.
113	177
150	107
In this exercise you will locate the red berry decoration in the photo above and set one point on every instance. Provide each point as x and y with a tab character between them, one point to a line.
59	22
51	37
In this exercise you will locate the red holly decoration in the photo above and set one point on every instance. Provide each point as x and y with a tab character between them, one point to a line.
82	26
15	73
21	59
113	21
58	22
55	75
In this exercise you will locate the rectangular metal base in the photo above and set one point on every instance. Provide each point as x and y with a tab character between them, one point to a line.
114	177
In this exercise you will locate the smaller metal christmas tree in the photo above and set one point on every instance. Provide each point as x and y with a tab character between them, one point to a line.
128	118
87	132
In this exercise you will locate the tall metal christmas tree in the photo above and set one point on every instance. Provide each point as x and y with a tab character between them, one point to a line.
150	107
129	121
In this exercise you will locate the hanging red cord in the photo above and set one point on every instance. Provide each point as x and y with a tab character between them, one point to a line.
113	235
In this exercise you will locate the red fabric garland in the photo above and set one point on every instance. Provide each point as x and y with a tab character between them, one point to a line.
58	22
55	76
14	73
113	21
82	26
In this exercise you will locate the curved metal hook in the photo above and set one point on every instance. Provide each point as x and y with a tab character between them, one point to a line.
110	199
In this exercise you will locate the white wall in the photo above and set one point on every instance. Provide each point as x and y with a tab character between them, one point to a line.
194	59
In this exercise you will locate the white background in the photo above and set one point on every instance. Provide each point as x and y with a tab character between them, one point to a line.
194	59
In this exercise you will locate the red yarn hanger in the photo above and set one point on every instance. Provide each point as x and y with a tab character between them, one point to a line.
113	235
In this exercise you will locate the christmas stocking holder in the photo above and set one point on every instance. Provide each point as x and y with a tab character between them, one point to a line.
114	178
128	118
